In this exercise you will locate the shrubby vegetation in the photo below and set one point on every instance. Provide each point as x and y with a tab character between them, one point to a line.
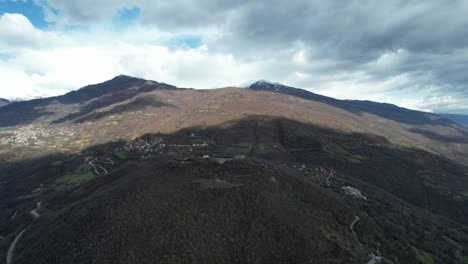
260	190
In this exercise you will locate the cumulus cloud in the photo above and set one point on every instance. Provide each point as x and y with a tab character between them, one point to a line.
75	61
411	53
16	32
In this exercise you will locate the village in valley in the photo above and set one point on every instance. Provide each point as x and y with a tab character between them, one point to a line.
151	147
35	135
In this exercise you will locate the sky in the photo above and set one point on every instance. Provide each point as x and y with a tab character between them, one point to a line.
410	53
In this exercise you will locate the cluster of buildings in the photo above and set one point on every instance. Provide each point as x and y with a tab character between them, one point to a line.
149	148
144	146
157	146
32	134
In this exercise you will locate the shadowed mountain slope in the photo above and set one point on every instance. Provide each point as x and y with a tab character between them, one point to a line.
3	102
56	110
462	119
254	190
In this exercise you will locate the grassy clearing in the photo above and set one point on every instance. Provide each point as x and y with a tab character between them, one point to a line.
338	151
172	154
81	175
424	257
74	179
122	154
57	163
262	150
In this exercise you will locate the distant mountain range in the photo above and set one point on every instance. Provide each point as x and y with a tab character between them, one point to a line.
462	119
138	171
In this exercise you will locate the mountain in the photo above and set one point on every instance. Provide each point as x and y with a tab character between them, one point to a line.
77	103
3	102
127	107
136	171
385	110
462	119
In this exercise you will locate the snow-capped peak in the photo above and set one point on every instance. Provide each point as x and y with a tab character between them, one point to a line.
251	84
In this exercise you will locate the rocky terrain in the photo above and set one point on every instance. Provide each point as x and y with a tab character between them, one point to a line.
136	171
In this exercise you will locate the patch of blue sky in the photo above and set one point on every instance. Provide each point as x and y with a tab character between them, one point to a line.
127	16
5	56
75	27
27	8
188	41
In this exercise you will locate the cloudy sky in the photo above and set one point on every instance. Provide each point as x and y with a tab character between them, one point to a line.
411	53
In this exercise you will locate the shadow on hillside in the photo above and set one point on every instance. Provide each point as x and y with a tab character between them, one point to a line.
261	203
23	113
135	105
413	175
106	95
89	99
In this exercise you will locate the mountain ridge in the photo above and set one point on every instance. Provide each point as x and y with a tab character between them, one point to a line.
94	90
128	106
86	99
459	118
386	110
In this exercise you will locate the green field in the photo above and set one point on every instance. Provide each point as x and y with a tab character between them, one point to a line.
81	175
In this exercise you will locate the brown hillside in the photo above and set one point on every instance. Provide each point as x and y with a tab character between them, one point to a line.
149	107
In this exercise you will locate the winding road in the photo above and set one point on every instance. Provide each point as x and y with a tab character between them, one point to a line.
96	167
351	227
14	215
374	258
34	212
11	250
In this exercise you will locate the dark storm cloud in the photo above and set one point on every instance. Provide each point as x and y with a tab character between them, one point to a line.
425	41
355	29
